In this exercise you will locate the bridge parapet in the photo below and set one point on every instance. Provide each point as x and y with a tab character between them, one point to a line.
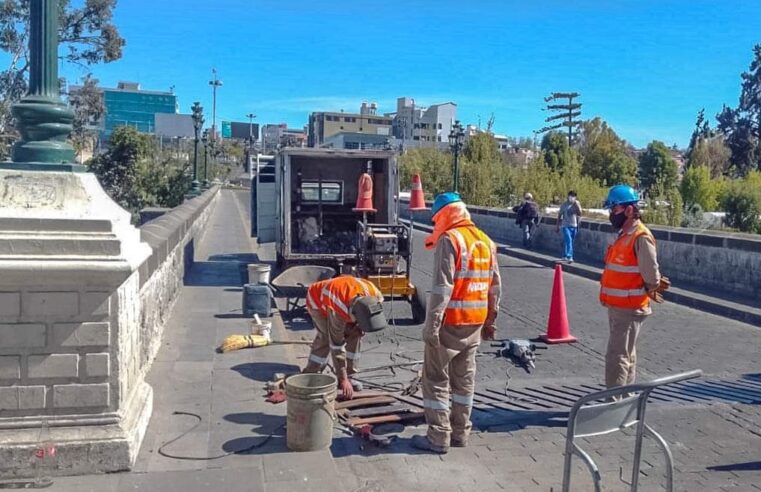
83	300
725	262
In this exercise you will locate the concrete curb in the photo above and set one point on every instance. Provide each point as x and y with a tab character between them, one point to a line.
695	300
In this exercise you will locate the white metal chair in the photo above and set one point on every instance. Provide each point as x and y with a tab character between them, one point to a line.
621	407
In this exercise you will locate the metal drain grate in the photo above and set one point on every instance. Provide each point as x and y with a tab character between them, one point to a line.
746	390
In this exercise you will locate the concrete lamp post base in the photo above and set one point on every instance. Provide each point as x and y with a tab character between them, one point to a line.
69	325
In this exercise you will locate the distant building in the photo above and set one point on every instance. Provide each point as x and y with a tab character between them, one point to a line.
353	140
323	125
128	105
423	124
274	136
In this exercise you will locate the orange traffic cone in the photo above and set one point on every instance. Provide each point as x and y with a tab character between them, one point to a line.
558	330
365	194
417	199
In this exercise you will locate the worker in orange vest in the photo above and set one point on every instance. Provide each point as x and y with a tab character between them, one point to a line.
342	310
630	280
461	312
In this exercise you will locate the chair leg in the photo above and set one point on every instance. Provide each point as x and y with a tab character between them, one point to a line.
667	452
596	477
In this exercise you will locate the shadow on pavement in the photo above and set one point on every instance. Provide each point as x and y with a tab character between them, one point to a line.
749	466
230	316
263	371
269	438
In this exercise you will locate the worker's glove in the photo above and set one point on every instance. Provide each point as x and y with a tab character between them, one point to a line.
347	390
657	293
488	332
431	337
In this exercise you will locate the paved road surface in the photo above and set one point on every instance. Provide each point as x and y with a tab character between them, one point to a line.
513	450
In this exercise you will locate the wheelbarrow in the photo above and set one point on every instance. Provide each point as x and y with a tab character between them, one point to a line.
292	284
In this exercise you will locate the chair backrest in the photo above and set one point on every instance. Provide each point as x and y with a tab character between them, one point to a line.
603	418
588	417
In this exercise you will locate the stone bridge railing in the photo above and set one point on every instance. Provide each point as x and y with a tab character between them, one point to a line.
84	299
728	263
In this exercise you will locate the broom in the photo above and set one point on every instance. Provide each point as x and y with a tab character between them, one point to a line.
238	342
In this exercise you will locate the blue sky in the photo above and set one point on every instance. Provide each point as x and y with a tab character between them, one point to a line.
645	66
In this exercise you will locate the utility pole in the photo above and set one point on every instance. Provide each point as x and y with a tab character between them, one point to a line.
568	112
214	84
251	117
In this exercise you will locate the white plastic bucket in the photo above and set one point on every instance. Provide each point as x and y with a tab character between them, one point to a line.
258	273
264	329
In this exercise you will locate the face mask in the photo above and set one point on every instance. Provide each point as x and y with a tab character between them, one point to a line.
617	220
572	199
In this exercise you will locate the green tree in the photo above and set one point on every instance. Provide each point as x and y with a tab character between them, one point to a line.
742	125
433	166
604	154
712	153
120	167
481	165
656	166
742	203
698	188
558	156
87	36
88	107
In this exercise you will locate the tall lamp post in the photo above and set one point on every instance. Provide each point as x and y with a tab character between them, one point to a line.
197	117
205	140
214	83
251	117
456	137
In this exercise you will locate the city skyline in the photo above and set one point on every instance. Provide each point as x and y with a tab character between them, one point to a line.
644	67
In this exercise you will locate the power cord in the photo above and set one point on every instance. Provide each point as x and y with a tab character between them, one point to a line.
245	450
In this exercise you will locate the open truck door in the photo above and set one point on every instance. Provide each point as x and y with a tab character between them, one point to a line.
267	196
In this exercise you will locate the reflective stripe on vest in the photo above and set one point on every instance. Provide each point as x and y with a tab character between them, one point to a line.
622	284
469	302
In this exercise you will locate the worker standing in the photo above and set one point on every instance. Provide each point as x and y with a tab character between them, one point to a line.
462	310
343	309
630	279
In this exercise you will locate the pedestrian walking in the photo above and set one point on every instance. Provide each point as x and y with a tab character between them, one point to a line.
462	310
569	218
343	309
630	280
527	218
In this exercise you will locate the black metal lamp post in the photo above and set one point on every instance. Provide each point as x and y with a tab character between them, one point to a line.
456	137
205	140
197	117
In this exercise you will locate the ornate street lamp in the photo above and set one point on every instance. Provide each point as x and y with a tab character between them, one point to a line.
197	117
456	137
43	120
205	140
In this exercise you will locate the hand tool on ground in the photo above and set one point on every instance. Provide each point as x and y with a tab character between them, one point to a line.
521	351
381	435
237	342
657	293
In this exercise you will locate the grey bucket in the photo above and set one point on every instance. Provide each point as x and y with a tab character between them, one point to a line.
311	412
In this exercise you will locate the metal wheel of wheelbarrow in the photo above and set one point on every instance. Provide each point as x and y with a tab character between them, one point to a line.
418	303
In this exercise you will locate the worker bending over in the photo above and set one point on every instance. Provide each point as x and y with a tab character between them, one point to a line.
631	278
342	309
462	310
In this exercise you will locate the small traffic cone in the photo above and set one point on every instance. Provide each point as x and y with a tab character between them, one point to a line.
558	330
417	199
365	194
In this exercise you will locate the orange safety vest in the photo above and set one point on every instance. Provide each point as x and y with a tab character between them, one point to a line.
337	294
474	254
622	284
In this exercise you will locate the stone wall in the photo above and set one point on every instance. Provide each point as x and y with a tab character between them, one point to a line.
172	238
701	260
84	297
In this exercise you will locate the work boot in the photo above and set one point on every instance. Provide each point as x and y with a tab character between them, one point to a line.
422	442
461	442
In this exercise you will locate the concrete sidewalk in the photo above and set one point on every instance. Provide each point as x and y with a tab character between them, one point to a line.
716	443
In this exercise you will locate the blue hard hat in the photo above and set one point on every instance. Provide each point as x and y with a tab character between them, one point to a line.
443	200
621	195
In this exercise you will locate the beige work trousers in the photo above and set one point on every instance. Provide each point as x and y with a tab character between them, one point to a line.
621	357
321	346
450	365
